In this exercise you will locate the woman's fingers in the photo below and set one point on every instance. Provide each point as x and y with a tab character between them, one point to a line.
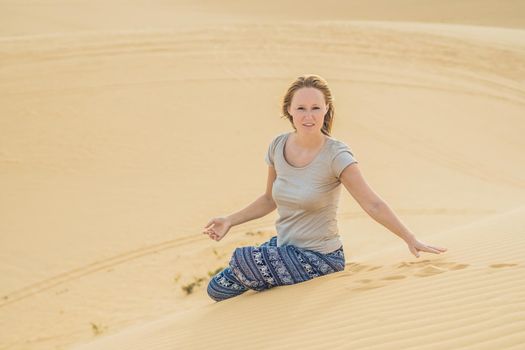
209	224
420	246
210	231
438	248
208	228
416	246
431	249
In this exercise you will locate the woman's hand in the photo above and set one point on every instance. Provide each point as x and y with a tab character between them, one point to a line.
217	228
415	246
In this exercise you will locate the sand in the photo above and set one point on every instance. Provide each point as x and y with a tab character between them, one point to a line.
124	127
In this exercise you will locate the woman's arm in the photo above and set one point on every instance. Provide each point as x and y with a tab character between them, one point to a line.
258	208
379	210
383	214
372	203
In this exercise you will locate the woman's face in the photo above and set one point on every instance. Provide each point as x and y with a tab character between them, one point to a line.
308	107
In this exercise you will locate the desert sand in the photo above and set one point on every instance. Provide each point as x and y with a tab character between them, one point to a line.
123	126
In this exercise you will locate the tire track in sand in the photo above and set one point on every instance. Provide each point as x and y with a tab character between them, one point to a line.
76	273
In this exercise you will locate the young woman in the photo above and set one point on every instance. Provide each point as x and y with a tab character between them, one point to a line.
305	168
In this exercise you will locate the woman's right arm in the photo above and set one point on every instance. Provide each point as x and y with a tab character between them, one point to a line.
263	205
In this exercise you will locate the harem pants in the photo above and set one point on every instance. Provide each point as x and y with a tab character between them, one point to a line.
268	266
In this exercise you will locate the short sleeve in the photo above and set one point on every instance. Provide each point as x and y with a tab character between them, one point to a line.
343	158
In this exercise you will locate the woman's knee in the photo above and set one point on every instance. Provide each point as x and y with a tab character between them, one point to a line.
239	268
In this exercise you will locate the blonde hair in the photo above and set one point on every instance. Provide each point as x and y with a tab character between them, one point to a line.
315	81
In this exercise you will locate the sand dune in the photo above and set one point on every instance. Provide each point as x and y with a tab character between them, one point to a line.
120	139
471	298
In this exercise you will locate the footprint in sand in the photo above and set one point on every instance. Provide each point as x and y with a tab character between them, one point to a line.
497	266
394	277
422	268
356	267
368	287
425	268
430	271
364	281
436	267
458	267
367	283
374	268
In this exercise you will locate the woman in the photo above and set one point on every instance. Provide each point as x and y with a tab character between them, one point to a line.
305	169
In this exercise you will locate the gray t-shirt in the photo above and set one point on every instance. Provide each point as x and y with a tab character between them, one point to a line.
307	197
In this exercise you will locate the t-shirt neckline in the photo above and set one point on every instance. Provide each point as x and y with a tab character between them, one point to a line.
317	156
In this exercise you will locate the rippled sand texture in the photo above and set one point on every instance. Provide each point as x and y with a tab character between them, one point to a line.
120	139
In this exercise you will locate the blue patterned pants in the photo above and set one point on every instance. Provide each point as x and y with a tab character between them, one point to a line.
268	266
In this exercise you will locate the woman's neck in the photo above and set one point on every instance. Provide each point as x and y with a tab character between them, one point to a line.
309	141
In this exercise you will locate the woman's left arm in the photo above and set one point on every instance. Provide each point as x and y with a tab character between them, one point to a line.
380	211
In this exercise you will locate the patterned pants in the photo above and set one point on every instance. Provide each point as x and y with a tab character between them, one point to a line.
268	266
